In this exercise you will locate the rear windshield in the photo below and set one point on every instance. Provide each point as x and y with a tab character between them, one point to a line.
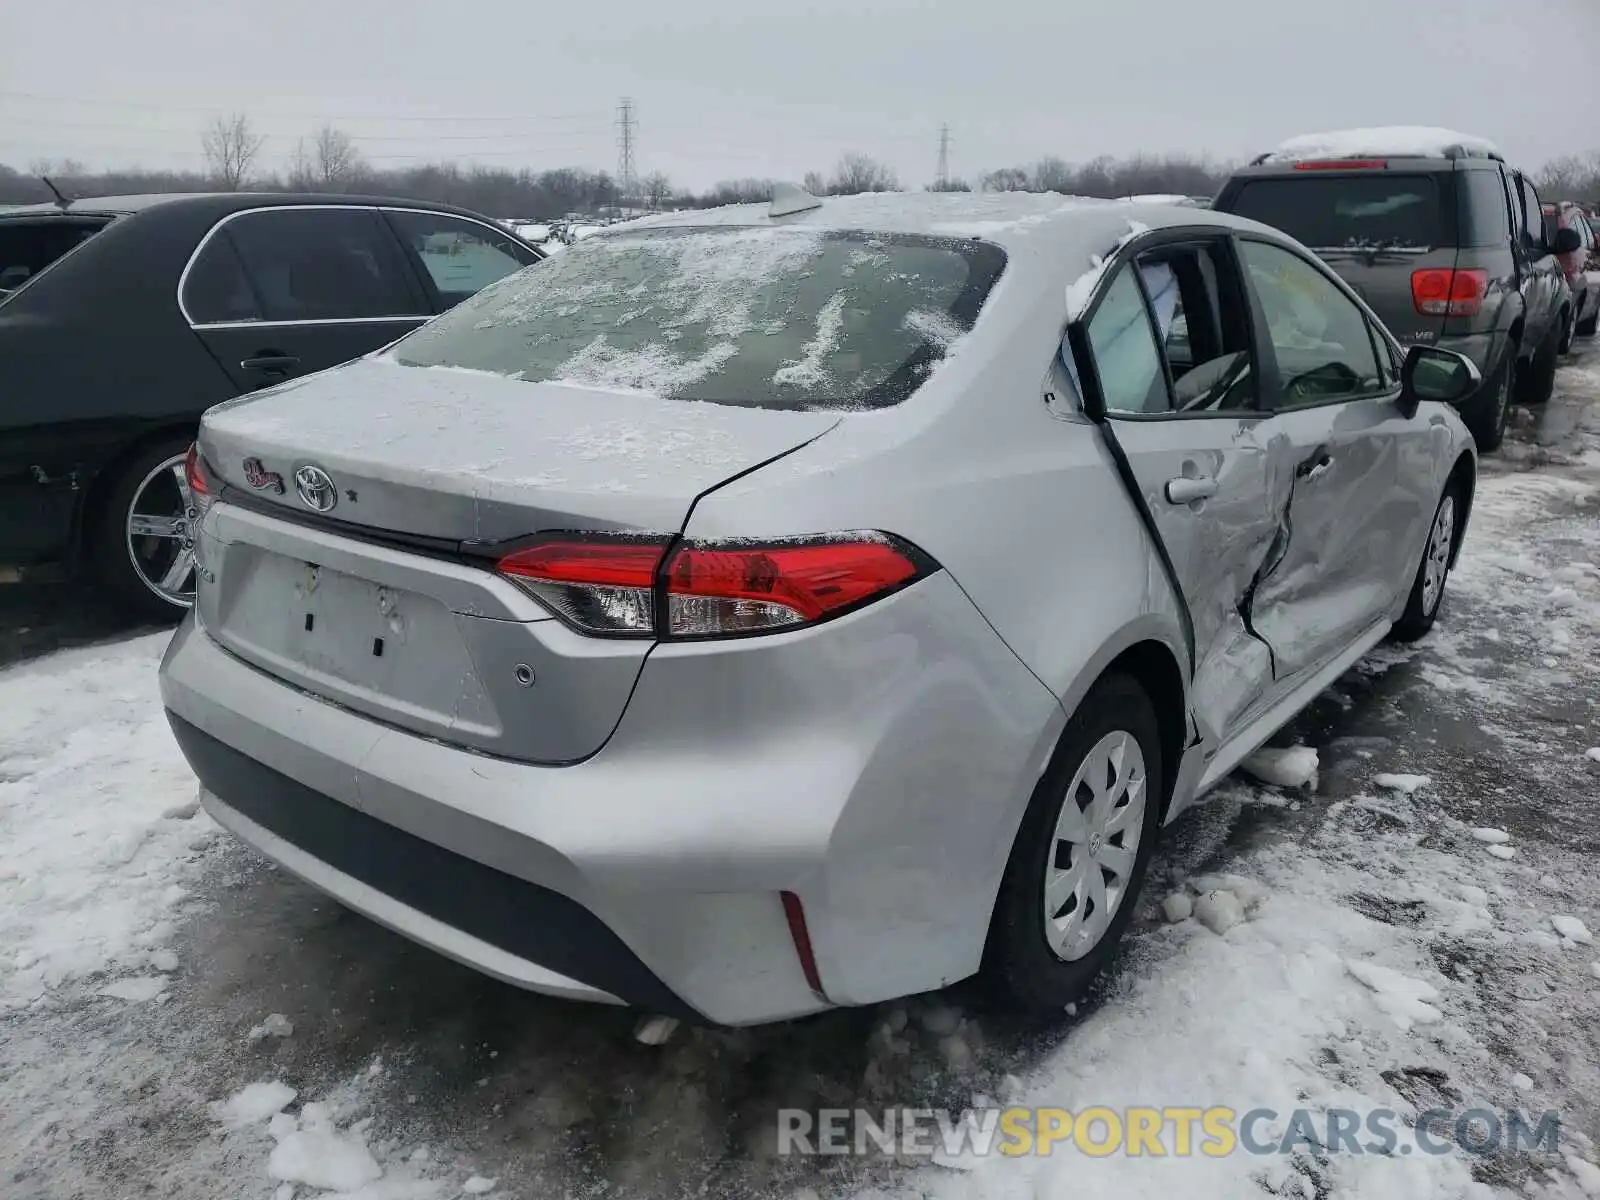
1348	212
764	318
28	247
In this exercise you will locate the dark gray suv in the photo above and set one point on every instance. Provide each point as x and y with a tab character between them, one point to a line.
1450	249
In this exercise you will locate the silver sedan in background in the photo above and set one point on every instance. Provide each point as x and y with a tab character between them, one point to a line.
754	611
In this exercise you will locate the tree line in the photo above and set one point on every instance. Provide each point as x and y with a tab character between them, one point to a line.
330	161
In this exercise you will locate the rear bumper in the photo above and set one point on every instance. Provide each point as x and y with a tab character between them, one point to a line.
506	927
877	767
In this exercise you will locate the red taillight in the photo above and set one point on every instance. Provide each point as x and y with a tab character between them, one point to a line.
801	936
611	586
1447	292
1343	164
195	472
597	585
714	590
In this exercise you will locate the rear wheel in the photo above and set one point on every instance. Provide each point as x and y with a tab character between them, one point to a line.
1427	590
1486	414
141	544
1568	332
1079	861
1586	327
1539	381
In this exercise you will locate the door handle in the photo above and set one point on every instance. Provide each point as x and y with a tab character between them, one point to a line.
1186	489
270	361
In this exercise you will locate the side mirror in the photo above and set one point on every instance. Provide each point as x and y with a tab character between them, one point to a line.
1430	373
1566	241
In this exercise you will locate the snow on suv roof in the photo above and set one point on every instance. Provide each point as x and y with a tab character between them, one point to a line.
1385	141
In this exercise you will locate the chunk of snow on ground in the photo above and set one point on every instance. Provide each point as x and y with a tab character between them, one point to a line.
1405	999
1503	852
1572	929
88	861
252	1103
323	1158
478	1185
1247	891
1592	753
1291	766
1494	837
1384	141
276	1025
1219	911
655	1031
136	989
164	960
1521	1082
1401	783
1177	907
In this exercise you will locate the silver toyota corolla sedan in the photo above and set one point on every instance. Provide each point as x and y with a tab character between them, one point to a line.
754	611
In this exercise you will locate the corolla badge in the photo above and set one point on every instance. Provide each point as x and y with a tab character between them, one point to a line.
257	476
316	488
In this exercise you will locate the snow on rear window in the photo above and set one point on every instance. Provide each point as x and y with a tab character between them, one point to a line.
761	317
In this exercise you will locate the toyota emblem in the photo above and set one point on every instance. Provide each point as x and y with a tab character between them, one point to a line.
316	488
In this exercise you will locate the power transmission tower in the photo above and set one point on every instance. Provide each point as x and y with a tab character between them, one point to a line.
627	133
944	157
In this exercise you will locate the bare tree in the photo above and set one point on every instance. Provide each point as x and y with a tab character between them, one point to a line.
335	159
657	189
815	183
857	173
60	168
231	145
950	185
1051	174
302	175
1007	179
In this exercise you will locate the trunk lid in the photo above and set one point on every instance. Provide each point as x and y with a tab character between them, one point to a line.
429	640
469	456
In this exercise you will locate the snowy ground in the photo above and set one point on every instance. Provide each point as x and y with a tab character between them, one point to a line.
177	1018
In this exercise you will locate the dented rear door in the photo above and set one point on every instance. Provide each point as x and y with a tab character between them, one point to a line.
1211	490
1352	513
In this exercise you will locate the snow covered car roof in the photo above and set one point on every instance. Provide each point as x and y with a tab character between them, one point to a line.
1383	141
1013	220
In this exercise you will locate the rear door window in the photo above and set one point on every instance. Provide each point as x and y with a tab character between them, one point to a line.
1375	210
1485	220
216	289
323	264
766	318
1533	227
459	257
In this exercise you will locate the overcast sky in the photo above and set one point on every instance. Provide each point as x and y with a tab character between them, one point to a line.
775	89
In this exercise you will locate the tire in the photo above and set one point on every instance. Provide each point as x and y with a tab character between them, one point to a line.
1485	414
1568	332
1036	971
1433	572
1586	327
128	566
1536	386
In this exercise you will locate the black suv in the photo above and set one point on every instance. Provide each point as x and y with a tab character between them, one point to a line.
1449	250
123	319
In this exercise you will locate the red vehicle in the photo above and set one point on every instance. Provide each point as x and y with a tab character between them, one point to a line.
1581	266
